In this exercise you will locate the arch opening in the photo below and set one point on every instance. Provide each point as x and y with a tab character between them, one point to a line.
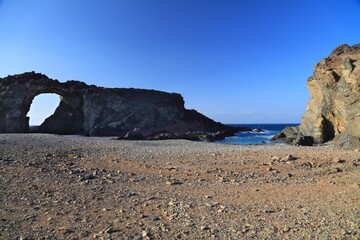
42	107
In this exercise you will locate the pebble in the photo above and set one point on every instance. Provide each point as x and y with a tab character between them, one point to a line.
138	237
204	227
290	158
144	233
87	176
110	230
245	229
173	182
153	218
186	206
337	160
286	228
338	170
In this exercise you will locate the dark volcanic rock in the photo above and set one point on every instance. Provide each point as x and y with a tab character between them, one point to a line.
192	136
97	111
304	141
135	134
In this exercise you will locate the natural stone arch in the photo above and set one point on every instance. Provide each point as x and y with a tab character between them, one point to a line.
97	111
68	117
26	104
18	92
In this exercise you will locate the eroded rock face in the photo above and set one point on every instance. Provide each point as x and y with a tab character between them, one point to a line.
97	111
333	112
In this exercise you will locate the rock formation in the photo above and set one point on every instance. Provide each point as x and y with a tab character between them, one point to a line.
97	111
289	134
333	112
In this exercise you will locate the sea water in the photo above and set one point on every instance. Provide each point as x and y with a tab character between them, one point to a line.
254	137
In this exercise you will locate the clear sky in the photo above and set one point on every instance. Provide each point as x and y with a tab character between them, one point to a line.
236	61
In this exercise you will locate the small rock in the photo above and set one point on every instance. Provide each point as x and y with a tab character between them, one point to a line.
110	230
221	208
337	160
204	228
290	158
222	179
87	176
138	237
173	182
245	229
153	218
170	168
286	229
144	233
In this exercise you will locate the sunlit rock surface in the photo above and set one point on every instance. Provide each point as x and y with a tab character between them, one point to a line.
333	112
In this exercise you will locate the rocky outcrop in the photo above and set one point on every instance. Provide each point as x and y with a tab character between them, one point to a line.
136	134
289	134
97	111
333	112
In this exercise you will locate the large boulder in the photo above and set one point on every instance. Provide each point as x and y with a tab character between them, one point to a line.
289	134
97	111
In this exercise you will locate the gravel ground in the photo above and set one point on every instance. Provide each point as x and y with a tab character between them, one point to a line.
73	187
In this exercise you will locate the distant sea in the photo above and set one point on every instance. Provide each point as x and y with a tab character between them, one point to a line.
246	138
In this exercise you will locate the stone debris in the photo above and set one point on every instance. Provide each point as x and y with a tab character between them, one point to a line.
110	230
337	160
174	190
173	182
290	158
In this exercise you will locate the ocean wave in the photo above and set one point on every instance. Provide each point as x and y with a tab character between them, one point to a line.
254	137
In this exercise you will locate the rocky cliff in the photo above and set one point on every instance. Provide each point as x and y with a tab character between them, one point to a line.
97	111
333	112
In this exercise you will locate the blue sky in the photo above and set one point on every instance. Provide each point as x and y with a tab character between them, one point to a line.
236	61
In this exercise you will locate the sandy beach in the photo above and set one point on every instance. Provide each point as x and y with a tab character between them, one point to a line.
74	187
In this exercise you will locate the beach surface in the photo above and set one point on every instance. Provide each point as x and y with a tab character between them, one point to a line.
74	187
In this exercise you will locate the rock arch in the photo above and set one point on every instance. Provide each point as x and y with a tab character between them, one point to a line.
97	111
67	118
17	94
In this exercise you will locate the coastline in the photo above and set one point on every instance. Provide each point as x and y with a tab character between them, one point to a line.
96	187
262	133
